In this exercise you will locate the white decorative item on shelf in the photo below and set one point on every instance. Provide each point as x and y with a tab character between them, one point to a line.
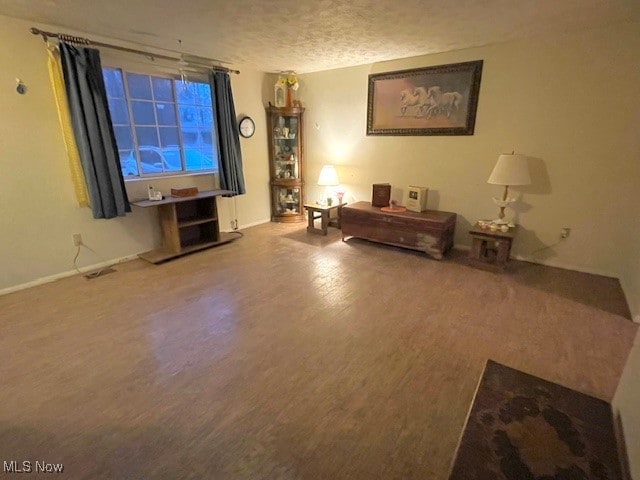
511	169
416	198
280	95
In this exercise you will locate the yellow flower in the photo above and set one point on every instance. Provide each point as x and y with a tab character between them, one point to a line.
292	82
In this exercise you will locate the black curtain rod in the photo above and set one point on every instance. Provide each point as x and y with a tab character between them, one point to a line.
152	56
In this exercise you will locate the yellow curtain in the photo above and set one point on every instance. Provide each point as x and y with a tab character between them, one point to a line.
75	167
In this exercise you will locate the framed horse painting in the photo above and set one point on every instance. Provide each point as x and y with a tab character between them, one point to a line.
439	100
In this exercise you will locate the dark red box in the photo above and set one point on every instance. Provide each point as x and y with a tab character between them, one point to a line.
381	195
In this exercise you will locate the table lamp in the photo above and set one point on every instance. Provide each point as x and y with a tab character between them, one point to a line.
511	169
329	178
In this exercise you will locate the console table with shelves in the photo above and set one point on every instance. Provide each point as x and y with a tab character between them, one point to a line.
188	224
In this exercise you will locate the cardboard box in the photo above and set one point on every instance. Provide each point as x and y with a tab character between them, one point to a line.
184	192
416	198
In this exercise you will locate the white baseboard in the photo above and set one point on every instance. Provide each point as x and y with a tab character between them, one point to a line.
96	266
70	273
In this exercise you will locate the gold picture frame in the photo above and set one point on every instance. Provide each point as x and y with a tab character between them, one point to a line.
438	100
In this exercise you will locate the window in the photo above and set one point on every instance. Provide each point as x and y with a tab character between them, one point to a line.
162	126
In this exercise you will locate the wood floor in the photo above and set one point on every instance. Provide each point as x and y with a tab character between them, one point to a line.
285	355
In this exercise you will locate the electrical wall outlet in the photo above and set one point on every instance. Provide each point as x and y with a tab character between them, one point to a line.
77	239
565	232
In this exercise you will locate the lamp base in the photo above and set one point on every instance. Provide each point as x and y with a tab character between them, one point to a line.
500	221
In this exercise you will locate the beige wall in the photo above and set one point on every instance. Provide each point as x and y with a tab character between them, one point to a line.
627	404
551	99
572	102
37	205
627	398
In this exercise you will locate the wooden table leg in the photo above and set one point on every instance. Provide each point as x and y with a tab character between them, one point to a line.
504	248
324	221
313	215
477	250
310	221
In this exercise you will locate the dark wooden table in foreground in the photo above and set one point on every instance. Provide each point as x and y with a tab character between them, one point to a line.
521	427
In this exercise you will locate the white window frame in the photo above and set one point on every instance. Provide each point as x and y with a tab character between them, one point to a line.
151	72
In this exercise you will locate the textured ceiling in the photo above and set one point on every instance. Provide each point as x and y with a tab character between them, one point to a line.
308	36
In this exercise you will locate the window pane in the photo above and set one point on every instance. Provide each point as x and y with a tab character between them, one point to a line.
205	117
169	137
166	113
139	86
208	150
190	137
204	93
113	82
124	140
128	163
172	159
143	113
162	89
186	92
207	160
119	112
188	116
193	159
207	139
151	160
147	137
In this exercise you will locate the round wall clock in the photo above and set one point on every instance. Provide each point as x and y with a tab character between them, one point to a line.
247	127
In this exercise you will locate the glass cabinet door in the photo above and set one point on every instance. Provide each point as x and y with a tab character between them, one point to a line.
288	201
285	144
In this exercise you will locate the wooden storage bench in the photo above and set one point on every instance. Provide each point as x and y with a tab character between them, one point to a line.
431	231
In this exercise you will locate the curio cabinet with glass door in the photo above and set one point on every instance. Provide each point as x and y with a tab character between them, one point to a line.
286	159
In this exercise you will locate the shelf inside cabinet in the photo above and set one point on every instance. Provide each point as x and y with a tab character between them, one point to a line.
195	221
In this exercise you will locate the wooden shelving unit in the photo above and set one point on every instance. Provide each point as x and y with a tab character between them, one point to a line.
188	224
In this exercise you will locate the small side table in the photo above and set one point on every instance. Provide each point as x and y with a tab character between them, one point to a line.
491	248
323	213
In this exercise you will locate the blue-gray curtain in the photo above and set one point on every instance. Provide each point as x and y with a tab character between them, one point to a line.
230	165
93	130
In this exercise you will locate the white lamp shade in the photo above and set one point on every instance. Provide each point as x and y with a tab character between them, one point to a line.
328	176
511	169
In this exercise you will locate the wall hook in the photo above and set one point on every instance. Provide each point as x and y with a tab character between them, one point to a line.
21	88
